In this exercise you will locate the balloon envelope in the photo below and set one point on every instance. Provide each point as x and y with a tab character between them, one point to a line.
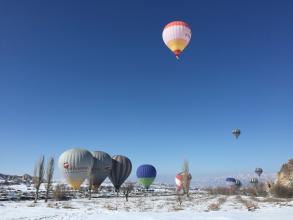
75	165
176	35
254	181
121	169
146	174
230	181
258	171
236	132
238	183
179	180
101	168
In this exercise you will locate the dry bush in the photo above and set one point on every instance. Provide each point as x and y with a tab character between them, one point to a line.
60	193
248	204
127	189
68	206
251	191
222	191
53	205
110	207
259	190
216	206
274	200
31	205
281	191
222	200
176	208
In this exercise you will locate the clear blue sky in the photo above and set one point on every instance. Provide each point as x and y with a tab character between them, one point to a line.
96	74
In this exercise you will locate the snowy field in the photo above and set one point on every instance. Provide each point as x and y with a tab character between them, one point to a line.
199	206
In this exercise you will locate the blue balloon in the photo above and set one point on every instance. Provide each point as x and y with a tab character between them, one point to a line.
230	179
146	171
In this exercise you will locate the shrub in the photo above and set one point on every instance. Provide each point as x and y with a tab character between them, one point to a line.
248	204
214	207
59	193
222	191
282	191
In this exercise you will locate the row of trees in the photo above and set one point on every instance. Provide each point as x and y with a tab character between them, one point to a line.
39	173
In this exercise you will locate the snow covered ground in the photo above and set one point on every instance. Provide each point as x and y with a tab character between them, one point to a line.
198	207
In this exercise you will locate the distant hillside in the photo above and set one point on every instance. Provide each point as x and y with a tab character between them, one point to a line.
14	179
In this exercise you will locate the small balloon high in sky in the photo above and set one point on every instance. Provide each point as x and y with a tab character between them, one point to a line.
176	36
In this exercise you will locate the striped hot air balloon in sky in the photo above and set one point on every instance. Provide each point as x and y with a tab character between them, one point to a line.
176	35
146	175
75	165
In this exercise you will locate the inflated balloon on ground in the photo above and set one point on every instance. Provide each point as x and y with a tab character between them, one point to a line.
75	165
121	169
101	168
180	178
146	175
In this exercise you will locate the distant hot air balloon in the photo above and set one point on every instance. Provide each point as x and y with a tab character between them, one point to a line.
176	35
254	181
101	168
146	174
236	132
258	171
121	169
230	181
238	183
75	164
179	180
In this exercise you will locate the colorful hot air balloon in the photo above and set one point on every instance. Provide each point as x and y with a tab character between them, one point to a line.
101	168
230	181
254	181
179	180
258	171
238	183
176	35
121	169
75	164
146	175
236	132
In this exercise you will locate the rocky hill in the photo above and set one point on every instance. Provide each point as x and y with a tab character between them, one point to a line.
14	179
285	176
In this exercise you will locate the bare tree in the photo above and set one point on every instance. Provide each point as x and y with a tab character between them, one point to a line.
38	176
49	175
127	189
186	177
179	199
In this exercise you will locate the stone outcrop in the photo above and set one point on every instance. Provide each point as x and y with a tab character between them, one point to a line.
285	176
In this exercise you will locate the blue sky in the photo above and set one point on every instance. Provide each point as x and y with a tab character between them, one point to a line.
96	74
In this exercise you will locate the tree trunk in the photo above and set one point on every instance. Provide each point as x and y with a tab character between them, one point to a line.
90	194
47	195
36	196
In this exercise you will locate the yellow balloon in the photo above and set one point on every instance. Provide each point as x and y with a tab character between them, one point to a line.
176	35
75	165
